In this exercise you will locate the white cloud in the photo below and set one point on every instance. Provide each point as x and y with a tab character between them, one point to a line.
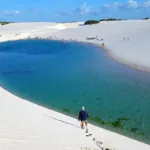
132	4
147	4
107	5
12	13
116	5
84	9
129	4
17	12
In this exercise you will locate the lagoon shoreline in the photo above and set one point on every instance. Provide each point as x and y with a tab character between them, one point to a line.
114	46
106	137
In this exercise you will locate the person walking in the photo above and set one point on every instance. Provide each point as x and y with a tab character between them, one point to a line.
83	116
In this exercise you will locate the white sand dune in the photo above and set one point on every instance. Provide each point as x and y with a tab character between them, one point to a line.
16	31
24	125
27	126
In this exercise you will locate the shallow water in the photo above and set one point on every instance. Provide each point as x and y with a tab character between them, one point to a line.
65	76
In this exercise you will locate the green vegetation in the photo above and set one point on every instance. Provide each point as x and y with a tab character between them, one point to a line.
90	22
134	130
66	110
110	19
4	23
97	120
119	122
116	123
146	18
137	131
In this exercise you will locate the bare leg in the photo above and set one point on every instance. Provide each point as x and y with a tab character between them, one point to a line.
86	124
82	124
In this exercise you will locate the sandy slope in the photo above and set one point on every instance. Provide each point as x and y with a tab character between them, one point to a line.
16	31
24	125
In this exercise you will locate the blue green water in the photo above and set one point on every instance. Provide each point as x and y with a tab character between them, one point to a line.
65	76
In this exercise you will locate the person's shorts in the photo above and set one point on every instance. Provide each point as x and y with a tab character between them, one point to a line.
83	120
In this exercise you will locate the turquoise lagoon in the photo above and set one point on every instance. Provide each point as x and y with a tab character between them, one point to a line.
64	76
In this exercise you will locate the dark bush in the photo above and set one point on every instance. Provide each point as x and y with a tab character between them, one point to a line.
97	120
90	22
66	110
146	18
119	122
110	19
4	23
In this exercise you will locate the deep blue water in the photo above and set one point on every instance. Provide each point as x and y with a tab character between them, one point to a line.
65	76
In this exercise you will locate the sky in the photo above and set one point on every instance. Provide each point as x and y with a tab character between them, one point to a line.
71	10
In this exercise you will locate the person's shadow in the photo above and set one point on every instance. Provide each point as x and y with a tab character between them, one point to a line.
62	121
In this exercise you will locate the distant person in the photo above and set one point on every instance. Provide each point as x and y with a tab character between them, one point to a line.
83	116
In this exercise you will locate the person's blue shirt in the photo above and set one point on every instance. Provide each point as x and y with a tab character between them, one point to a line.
83	115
